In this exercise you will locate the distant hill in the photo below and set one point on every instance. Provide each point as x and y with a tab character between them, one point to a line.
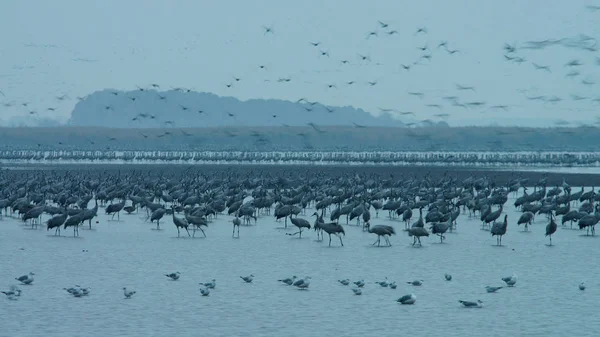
112	108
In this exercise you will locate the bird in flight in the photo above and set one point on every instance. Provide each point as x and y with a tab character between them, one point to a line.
268	30
315	44
539	67
382	24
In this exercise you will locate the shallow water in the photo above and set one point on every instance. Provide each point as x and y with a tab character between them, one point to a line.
546	300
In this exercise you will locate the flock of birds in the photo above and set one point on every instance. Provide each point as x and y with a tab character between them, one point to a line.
202	197
437	109
300	283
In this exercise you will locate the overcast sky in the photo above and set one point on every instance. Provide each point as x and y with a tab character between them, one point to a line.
75	47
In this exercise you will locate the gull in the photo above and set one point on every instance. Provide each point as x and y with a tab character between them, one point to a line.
303	283
407	299
393	285
448	277
13	293
247	279
360	283
383	25
84	291
492	289
268	30
128	293
469	304
539	67
344	282
357	291
211	285
204	291
288	280
25	279
416	282
173	276
383	283
581	286
510	280
315	44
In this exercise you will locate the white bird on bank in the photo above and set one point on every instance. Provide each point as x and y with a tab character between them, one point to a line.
511	280
357	291
173	276
128	293
303	283
582	286
26	279
492	289
289	281
344	282
448	277
469	304
407	299
13	294
392	285
360	283
247	279
210	285
416	283
204	291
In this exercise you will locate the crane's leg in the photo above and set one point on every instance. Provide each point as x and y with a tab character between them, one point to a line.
238	232
233	234
341	242
187	231
329	240
300	232
419	239
177	231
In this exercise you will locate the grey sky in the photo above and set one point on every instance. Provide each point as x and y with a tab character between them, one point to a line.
78	46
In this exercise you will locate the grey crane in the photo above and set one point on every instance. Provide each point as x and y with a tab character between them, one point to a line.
236	223
551	227
115	209
440	228
33	214
499	229
157	214
74	222
300	223
525	218
417	233
89	214
56	221
332	228
381	230
180	223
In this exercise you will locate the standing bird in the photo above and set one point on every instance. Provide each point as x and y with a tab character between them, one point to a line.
180	223
551	227
157	215
211	285
356	291
26	279
128	293
332	228
300	223
499	229
582	286
204	291
288	281
247	279
56	221
236	223
526	218
510	280
381	230
417	233
115	209
302	283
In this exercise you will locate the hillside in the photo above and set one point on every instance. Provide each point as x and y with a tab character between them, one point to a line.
111	108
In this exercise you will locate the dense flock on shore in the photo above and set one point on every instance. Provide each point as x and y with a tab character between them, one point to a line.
511	159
